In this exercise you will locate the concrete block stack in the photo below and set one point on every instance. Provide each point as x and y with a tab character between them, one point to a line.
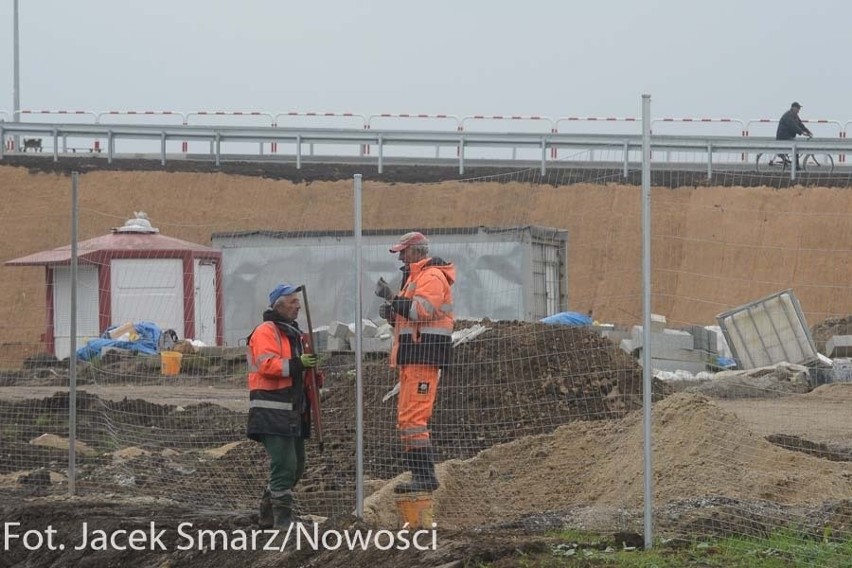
689	350
375	338
338	336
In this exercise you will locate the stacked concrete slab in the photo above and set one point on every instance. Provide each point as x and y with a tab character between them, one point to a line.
689	350
375	338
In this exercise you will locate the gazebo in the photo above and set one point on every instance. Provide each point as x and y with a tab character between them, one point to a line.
132	274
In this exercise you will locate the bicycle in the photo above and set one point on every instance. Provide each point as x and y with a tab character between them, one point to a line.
817	162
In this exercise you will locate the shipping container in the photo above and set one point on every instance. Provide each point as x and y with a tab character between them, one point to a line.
506	273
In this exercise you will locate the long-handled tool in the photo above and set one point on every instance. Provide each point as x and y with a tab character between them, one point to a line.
311	374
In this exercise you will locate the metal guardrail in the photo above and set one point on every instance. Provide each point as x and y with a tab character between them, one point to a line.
709	146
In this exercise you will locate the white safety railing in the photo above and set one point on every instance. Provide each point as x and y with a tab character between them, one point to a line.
462	127
145	114
94	145
692	121
8	145
270	121
584	144
324	116
416	117
841	128
499	118
589	120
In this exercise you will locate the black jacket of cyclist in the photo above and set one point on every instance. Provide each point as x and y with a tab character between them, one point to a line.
791	125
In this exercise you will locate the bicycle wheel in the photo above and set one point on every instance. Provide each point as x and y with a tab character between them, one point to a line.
818	163
769	162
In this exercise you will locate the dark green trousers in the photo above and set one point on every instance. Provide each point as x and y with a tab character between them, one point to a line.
286	461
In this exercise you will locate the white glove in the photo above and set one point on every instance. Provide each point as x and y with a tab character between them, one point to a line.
383	290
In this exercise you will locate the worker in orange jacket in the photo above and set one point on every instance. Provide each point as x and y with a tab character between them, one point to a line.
422	316
279	413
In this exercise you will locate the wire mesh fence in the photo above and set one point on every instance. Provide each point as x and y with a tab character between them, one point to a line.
536	424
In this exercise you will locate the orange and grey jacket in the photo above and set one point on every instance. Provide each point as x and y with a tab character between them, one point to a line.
423	322
277	397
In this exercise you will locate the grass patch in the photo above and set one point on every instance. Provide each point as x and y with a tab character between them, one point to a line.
780	550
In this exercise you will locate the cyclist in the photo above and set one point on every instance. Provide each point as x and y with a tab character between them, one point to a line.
789	127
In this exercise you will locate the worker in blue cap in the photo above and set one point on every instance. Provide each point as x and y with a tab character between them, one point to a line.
279	413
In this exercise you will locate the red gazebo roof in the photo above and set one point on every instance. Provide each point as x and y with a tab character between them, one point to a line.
115	242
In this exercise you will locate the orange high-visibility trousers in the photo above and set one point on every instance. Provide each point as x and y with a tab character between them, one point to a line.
418	387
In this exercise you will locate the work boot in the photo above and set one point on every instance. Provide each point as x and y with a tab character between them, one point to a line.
282	509
265	518
422	464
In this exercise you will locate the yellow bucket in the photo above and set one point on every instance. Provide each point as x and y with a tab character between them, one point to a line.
416	510
170	362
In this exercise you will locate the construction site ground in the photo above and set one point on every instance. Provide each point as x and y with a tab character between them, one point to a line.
722	465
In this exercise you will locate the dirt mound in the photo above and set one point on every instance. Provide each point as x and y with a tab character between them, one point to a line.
700	450
514	380
517	379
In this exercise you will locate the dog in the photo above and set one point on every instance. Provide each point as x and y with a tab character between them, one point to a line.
34	143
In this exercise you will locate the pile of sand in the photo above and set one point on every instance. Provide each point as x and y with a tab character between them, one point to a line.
700	450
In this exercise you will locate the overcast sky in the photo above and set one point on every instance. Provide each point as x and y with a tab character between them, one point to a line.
725	58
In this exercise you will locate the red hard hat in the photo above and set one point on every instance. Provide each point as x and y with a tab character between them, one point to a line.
409	239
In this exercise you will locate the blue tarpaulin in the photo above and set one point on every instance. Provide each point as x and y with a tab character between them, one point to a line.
149	336
567	318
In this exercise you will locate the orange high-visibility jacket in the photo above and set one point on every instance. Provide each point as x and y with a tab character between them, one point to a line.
269	352
277	398
423	326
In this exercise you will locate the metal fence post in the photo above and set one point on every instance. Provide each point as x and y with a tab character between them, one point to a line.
359	385
647	372
72	362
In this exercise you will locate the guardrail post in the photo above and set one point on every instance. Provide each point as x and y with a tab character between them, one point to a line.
365	148
793	163
553	150
184	145
381	154
709	160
